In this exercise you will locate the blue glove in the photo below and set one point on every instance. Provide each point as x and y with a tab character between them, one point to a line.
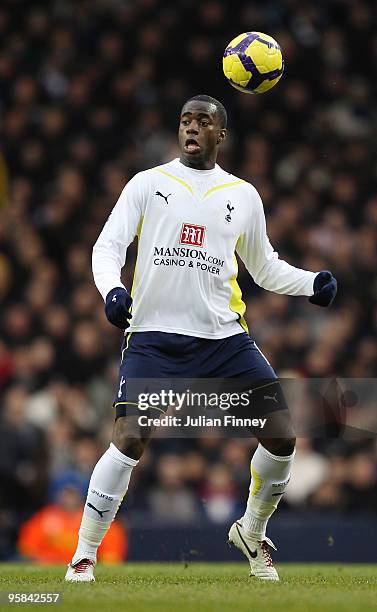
325	288
117	307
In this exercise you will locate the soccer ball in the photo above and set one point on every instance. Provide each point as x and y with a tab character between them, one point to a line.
253	62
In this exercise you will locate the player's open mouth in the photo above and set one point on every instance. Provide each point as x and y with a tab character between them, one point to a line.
191	146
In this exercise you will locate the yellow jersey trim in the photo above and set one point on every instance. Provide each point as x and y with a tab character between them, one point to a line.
140	226
224	186
138	233
236	304
175	178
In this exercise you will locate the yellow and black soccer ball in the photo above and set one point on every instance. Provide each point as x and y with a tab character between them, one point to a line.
253	62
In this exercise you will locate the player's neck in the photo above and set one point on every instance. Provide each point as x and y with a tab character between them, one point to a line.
202	165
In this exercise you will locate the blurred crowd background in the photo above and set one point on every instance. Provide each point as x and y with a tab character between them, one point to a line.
90	93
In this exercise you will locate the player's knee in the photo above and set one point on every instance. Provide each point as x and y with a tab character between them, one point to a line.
280	446
127	437
133	447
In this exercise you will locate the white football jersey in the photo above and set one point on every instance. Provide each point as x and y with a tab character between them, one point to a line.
190	223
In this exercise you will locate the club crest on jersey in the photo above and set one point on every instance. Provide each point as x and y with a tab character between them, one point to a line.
230	208
192	234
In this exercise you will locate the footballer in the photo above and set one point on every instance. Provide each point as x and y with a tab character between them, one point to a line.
187	320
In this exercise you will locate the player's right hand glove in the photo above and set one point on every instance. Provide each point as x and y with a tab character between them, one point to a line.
325	288
117	307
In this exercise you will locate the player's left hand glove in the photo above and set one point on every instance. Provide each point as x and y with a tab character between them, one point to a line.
117	307
325	288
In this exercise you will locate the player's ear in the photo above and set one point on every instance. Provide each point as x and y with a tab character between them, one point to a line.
222	136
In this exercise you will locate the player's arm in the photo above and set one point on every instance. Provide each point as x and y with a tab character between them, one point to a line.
109	252
274	274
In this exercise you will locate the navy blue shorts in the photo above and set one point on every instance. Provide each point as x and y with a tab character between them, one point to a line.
160	358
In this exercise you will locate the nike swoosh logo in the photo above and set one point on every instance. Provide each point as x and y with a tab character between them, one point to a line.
253	553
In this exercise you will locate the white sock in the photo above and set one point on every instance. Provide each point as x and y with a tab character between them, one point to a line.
107	487
269	478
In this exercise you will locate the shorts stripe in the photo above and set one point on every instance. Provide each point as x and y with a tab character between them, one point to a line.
273	382
264	356
128	337
136	404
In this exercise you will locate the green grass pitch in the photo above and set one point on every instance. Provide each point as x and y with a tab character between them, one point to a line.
199	587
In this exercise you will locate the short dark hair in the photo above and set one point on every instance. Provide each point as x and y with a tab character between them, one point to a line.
220	108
